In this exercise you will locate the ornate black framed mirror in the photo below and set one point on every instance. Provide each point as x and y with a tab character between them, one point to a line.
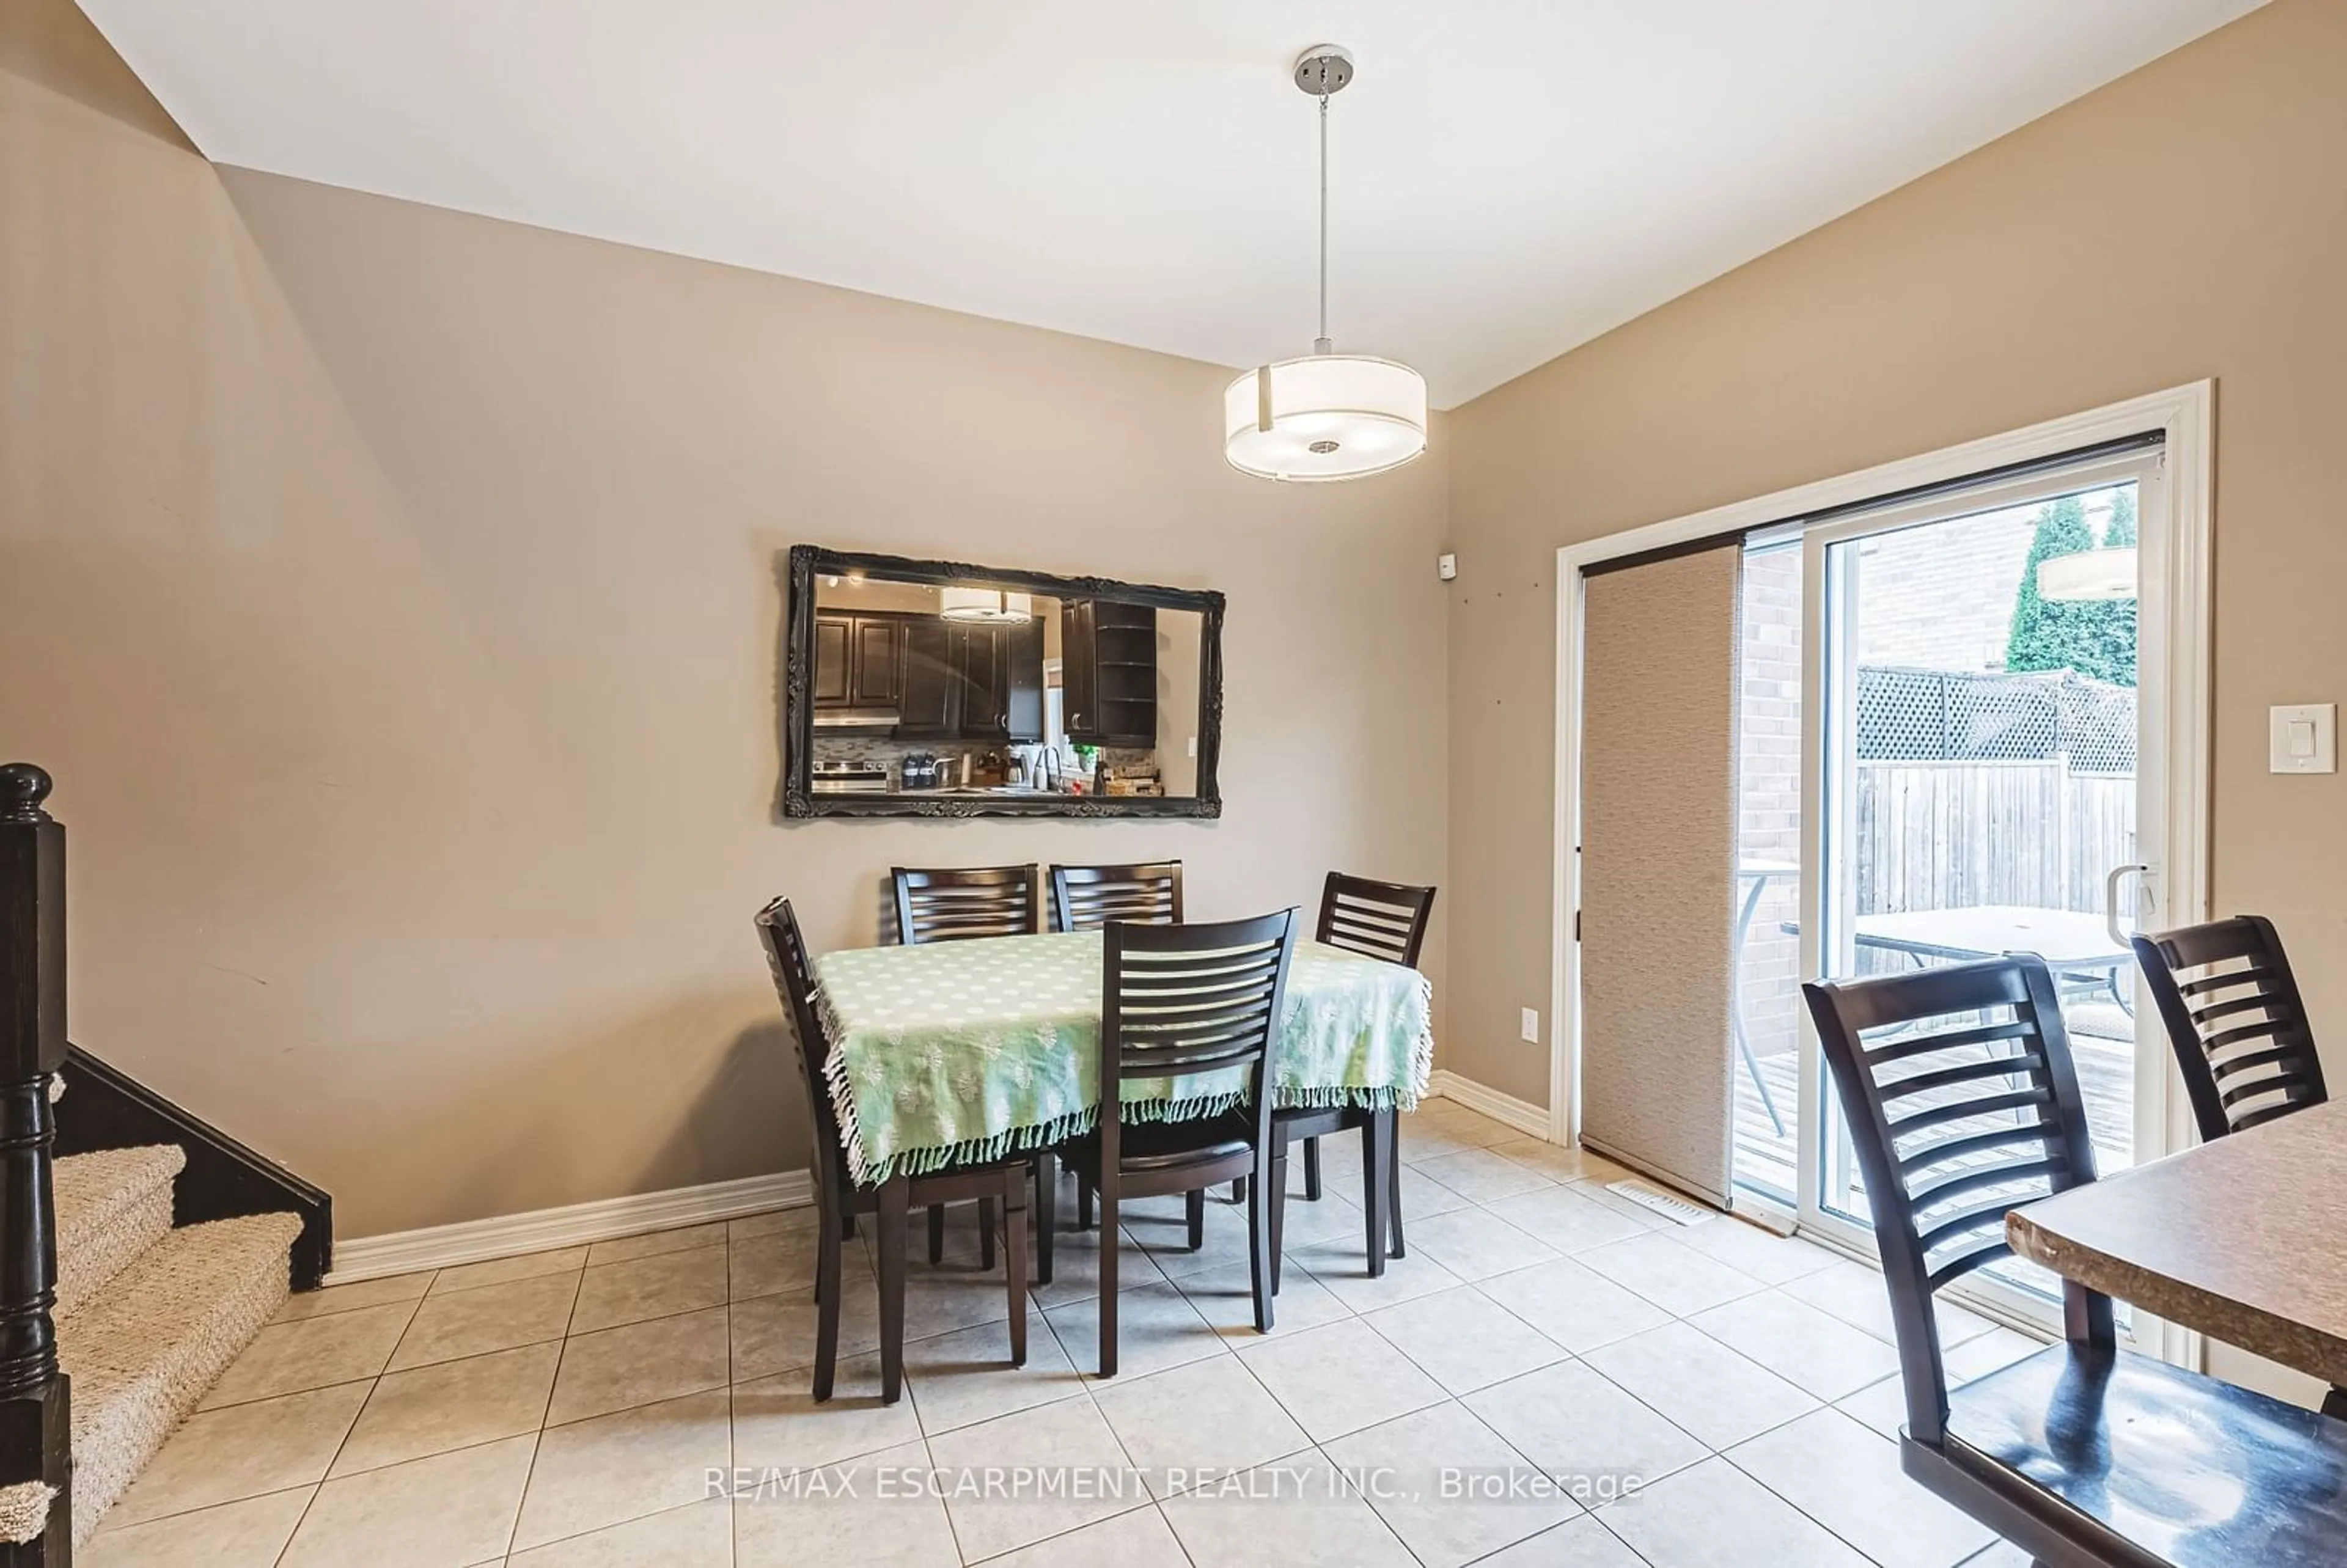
920	688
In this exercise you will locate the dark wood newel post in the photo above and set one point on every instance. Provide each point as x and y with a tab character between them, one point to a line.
35	1436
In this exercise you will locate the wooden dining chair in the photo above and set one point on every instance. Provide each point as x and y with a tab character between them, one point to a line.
2235	1022
1086	898
1963	1104
2238	1029
1177	1001
962	903
838	1200
958	903
1386	921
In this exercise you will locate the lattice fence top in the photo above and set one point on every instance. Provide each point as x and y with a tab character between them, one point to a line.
1939	715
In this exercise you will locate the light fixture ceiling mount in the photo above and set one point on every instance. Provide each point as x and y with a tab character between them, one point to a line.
1327	416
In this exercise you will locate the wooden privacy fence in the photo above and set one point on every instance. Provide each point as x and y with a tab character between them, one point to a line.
1946	836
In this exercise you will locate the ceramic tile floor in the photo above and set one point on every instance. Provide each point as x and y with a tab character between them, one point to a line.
567	1409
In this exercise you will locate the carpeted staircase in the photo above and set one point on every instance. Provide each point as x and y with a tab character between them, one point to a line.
148	1316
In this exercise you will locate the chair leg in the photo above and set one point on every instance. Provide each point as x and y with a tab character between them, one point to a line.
1046	1212
1108	1274
1195	1205
1083	1202
1376	1158
826	1312
1239	1191
1269	1188
847	1227
1278	1234
1014	1246
937	1233
985	1235
2334	1404
1311	1169
892	1289
1393	1177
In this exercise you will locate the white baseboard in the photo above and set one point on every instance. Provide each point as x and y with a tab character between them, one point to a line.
1525	1117
542	1230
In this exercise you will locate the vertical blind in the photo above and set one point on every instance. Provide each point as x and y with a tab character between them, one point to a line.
1660	661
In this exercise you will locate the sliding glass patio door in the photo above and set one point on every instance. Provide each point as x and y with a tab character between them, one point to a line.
1978	778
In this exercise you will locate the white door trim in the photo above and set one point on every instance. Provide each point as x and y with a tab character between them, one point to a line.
2177	575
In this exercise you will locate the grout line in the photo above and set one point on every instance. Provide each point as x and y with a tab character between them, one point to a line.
732	1455
544	1409
204	1409
325	1472
428	1276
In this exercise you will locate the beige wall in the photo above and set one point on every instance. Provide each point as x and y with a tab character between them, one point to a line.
394	594
2188	221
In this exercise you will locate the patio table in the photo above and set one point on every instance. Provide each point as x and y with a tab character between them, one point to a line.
2072	944
951	1052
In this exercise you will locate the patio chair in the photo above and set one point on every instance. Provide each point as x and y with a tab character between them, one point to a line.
1963	1104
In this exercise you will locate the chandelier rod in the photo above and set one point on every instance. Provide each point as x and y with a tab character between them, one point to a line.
1321	345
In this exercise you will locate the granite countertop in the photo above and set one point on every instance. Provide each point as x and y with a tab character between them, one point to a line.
2244	1239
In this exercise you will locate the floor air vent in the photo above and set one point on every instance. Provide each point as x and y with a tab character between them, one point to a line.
1678	1210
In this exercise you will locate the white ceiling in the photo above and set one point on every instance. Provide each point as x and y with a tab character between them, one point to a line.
1511	176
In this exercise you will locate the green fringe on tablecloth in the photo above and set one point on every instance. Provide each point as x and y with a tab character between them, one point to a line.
1076	1124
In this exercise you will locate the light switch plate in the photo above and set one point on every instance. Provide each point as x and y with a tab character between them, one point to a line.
1531	1026
2303	739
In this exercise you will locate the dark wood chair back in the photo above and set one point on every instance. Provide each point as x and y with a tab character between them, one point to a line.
1377	919
1177	1000
1086	898
794	972
2235	1022
1962	1103
955	904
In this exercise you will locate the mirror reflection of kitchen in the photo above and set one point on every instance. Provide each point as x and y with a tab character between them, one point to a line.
975	690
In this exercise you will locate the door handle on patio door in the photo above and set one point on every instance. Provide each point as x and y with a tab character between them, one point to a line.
2111	900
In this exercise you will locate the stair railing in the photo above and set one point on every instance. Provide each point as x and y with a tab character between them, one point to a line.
35	1431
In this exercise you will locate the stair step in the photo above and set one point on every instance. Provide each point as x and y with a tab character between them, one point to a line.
142	1352
112	1206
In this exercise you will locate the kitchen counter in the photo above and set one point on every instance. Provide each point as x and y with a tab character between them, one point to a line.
977	789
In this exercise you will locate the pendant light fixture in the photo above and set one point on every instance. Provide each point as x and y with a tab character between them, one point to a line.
2088	576
1327	416
984	607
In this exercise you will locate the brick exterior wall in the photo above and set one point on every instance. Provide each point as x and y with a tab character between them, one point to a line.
1768	789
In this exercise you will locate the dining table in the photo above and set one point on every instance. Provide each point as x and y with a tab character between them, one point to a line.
947	1052
2243	1238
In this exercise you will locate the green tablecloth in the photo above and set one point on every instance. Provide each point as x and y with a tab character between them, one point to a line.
972	1051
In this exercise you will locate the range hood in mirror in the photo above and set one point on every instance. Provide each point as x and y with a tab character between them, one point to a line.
858	719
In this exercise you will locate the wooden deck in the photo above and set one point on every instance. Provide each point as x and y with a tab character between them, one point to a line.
1764	1160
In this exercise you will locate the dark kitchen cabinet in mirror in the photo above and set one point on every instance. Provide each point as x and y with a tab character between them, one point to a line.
937	689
